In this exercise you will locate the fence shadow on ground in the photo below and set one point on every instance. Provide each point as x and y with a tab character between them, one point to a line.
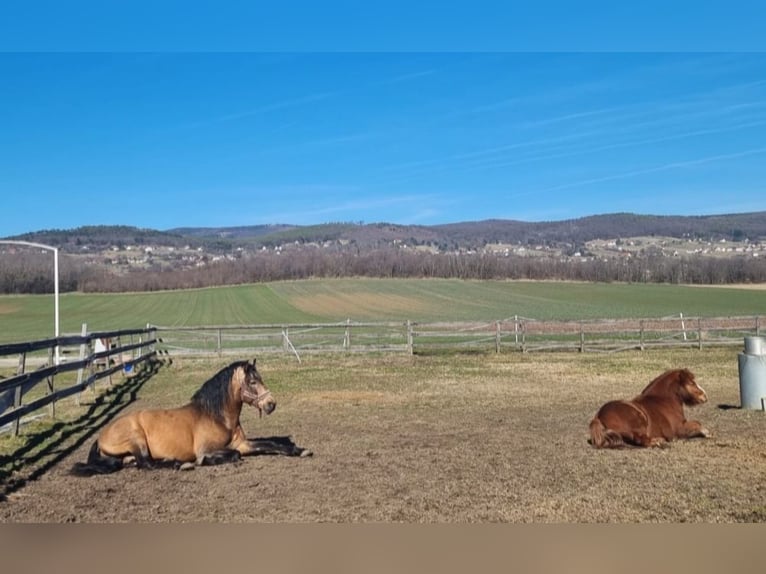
46	448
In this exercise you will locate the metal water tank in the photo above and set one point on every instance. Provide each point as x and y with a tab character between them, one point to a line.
752	374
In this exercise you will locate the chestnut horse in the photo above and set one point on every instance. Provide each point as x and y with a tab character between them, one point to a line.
205	431
654	417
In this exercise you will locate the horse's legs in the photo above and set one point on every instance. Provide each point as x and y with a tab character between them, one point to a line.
126	440
144	461
273	445
140	450
659	441
282	445
215	457
693	429
641	439
221	456
138	454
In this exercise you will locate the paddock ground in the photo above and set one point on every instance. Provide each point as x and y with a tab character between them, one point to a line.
453	438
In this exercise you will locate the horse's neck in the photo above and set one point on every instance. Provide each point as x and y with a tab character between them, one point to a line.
662	388
231	415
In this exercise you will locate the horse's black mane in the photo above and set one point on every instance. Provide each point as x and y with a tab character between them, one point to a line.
213	395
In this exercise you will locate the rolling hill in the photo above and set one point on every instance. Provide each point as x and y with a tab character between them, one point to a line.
465	235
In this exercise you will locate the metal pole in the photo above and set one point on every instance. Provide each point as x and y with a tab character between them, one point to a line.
56	295
55	282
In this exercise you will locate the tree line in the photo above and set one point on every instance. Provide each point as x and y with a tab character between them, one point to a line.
33	274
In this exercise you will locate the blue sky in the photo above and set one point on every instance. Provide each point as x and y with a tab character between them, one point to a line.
206	138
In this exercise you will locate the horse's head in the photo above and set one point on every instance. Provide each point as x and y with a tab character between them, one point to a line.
677	384
254	392
690	392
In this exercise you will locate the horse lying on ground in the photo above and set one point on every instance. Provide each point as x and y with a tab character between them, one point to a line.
205	431
654	417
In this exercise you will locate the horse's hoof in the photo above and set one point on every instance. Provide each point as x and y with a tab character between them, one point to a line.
705	433
187	466
306	452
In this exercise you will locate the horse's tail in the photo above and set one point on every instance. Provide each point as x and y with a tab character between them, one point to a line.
98	463
602	437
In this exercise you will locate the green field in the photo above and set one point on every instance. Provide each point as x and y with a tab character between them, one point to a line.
31	317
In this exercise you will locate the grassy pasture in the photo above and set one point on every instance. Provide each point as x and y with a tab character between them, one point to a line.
423	439
451	437
31	317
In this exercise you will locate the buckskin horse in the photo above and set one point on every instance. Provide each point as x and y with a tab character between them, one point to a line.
653	418
205	431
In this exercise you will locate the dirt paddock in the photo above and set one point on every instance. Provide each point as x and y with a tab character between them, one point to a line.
426	439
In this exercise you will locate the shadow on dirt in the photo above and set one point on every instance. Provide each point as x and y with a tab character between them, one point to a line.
46	448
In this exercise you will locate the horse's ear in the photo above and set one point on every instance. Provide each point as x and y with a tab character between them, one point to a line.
253	361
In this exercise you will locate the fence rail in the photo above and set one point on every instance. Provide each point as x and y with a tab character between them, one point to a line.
517	334
513	334
91	365
295	338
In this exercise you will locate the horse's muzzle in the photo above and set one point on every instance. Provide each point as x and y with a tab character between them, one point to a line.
269	407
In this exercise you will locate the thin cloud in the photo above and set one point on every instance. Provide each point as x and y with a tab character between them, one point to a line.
569	117
357	209
273	107
659	168
575	151
406	77
608	123
341	139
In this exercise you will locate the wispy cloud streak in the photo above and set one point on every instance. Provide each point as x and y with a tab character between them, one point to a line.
655	169
264	109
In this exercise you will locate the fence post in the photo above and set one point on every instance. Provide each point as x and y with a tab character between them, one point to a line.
497	336
285	339
410	338
699	333
81	371
516	330
347	336
151	333
641	335
49	380
109	359
17	393
523	336
582	338
218	343
22	363
757	326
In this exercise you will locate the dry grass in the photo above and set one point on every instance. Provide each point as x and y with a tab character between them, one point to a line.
357	304
451	438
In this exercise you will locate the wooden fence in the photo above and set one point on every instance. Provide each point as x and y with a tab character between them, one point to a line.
517	334
244	340
91	365
514	334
